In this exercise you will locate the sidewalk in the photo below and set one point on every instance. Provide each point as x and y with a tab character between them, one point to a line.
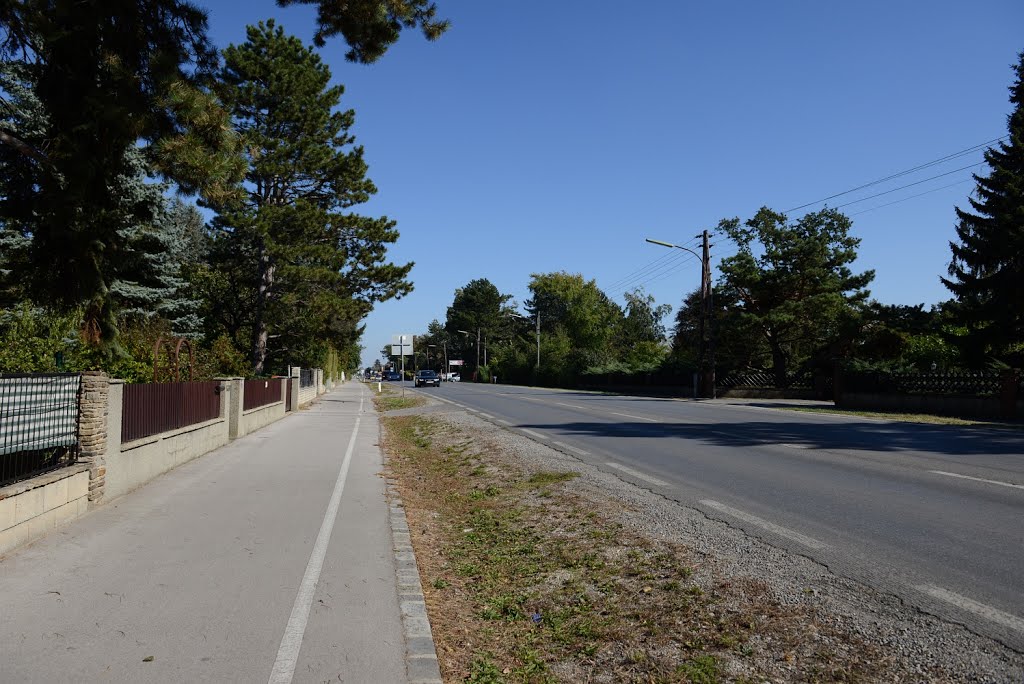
209	573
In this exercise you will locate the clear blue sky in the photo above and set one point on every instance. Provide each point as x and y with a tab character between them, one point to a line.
540	136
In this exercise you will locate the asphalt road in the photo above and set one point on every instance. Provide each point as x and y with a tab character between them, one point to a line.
933	514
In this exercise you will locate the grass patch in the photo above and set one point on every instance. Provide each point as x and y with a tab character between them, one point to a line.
393	401
926	418
539	586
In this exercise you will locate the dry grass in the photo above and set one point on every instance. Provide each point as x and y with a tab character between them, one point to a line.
927	418
391	399
526	581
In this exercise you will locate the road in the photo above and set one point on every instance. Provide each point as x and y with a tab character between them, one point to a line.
933	514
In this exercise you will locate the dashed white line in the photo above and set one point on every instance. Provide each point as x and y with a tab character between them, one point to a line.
971	606
502	421
571	448
977	479
637	474
765	524
572	406
488	416
627	415
533	434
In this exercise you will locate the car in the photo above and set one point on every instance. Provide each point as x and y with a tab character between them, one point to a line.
453	377
426	377
392	376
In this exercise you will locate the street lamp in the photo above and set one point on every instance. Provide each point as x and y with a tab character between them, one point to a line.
466	332
706	347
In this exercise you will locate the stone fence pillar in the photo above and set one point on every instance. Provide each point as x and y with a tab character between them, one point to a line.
93	413
296	374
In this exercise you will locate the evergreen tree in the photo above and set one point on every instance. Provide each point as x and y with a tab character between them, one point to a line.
986	274
370	27
106	75
297	269
478	308
798	293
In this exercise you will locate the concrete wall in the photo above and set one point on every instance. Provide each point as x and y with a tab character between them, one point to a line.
107	468
254	419
33	507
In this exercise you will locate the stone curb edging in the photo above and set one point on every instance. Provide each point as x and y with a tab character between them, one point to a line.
421	664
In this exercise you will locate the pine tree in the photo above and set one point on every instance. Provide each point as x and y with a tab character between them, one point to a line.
297	268
986	274
107	75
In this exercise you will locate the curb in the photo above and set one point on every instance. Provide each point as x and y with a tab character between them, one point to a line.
421	664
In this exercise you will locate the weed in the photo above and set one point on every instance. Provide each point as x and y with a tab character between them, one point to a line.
441	583
701	670
483	671
550	478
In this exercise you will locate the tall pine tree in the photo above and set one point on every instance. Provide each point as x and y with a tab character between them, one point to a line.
986	274
298	270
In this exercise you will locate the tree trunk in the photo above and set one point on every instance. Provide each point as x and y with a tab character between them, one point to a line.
778	364
259	333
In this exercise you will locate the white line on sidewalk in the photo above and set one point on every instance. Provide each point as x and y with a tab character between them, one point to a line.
291	642
970	605
536	435
764	524
977	479
570	447
637	474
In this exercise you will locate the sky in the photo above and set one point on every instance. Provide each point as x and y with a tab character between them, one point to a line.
556	135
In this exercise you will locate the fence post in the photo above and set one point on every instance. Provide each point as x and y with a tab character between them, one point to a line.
93	413
320	389
1008	393
296	374
236	404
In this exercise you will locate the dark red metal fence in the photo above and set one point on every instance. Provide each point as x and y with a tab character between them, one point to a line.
152	408
261	392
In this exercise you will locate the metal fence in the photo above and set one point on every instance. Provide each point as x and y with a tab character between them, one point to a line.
306	377
152	408
260	392
765	380
964	383
38	424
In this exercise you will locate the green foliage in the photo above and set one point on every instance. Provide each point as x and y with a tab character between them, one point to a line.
482	312
370	27
293	269
93	91
986	274
796	289
31	338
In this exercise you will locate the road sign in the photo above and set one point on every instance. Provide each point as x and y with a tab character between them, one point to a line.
401	345
455	362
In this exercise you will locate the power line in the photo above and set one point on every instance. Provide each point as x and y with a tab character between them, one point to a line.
909	185
920	194
652	266
919	167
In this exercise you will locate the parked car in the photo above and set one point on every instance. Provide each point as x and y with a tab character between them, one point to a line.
453	377
427	377
392	376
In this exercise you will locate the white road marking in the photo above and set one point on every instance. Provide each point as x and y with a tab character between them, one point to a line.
503	422
626	415
573	406
796	446
291	642
977	479
488	416
637	474
971	606
536	435
764	524
572	448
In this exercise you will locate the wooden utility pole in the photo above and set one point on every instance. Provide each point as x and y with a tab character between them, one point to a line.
707	335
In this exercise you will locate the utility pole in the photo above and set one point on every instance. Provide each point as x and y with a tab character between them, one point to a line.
706	342
706	325
478	352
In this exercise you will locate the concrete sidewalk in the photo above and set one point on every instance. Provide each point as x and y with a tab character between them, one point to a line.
271	559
